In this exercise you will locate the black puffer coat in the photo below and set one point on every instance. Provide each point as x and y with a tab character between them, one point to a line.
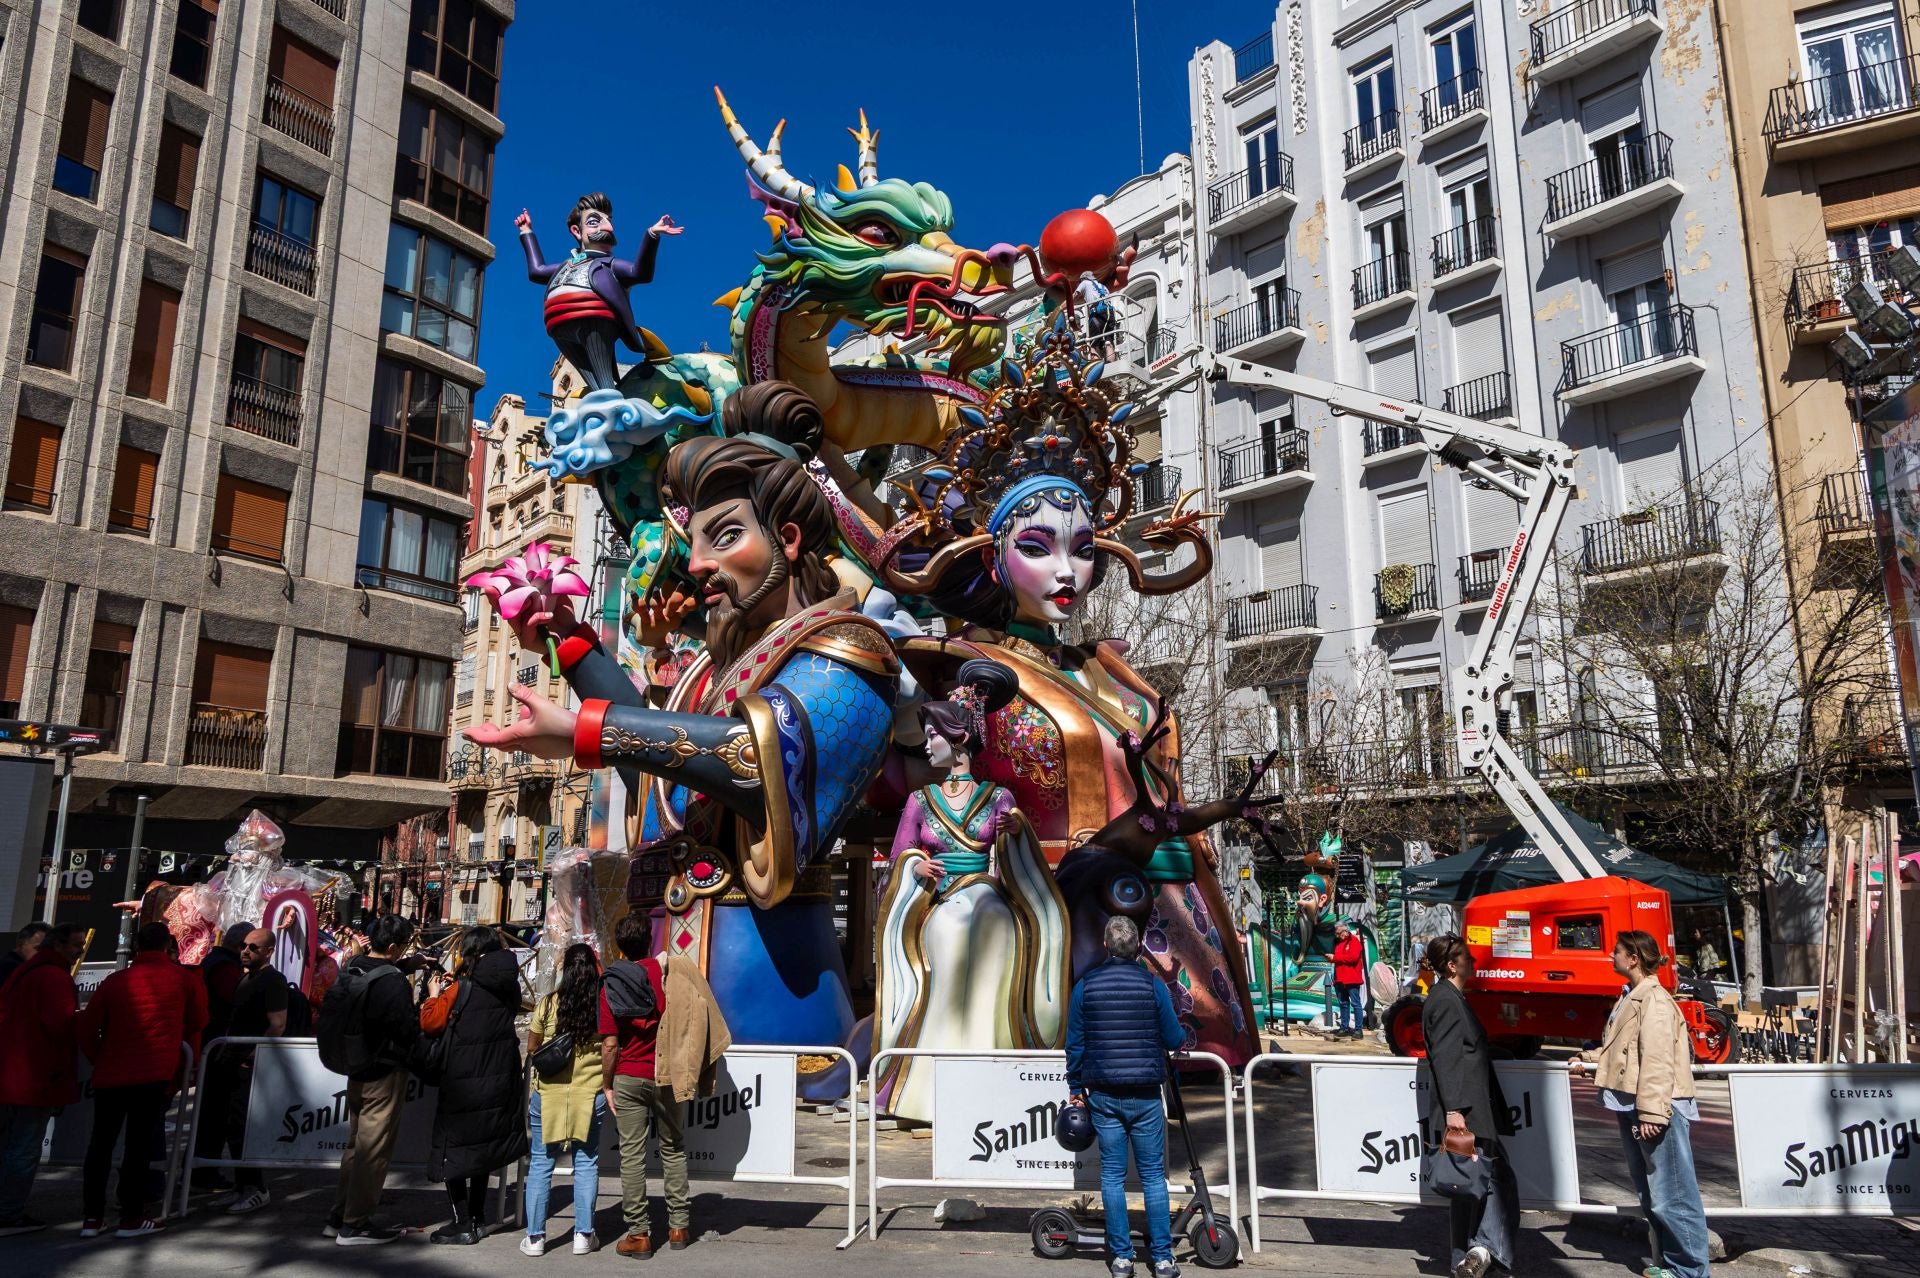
480	1118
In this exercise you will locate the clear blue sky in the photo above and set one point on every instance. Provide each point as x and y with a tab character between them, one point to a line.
1016	110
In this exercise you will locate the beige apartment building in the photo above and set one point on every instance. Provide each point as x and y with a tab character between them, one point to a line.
241	254
1824	104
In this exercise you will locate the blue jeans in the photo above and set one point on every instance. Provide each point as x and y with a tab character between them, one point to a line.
1347	1007
1137	1123
1663	1174
586	1169
22	1127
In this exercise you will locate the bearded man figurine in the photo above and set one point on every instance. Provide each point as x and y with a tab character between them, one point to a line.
768	739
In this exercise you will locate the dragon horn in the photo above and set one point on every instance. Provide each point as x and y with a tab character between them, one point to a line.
773	142
869	140
766	168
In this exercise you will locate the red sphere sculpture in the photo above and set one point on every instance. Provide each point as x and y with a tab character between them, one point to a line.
1078	240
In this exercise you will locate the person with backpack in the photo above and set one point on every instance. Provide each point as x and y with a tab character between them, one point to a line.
567	1106
633	997
473	1056
370	1033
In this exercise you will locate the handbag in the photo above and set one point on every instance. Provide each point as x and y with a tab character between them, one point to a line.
433	1051
554	1059
1453	1168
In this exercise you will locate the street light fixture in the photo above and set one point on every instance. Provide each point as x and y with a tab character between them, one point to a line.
1871	307
1904	264
1853	351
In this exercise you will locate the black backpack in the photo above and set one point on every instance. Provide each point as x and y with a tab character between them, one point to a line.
348	1045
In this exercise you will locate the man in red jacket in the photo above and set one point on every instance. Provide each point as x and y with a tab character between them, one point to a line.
38	1072
1349	976
132	1030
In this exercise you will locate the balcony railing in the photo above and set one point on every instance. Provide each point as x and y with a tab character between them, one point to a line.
1262	317
338	8
1663	335
281	258
1629	167
264	409
1272	612
1382	278
1817	292
406	583
1370	139
1845	97
1163	343
1479	573
1461	246
527	676
1402	594
298	116
1844	505
1376	437
1871	731
226	737
1253	57
1281	453
1486	398
1558	32
1660	534
1447	102
1158	486
1273	173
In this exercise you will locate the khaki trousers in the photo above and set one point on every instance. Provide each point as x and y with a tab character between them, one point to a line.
373	1118
642	1108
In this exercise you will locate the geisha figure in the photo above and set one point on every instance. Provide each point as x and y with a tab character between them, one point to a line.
1016	523
971	951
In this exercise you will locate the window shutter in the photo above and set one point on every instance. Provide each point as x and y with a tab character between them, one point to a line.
1652	468
250	518
1146	447
83	122
1404	535
1281	564
1492	519
1479	344
179	162
226	674
1608	113
303	67
271	336
1395	372
34	463
111	636
1895	193
16	633
1618	274
135	472
361	704
151	366
1267	260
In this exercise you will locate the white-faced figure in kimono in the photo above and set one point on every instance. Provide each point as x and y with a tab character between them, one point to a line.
971	950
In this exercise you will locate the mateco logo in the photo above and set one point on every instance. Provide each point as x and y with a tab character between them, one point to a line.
1500	974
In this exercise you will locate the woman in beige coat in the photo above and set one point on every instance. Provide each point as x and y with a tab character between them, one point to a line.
1644	1070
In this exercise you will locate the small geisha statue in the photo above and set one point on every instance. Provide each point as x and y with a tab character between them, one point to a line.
972	945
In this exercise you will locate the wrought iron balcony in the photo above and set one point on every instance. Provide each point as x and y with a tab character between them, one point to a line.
227	737
1253	57
1870	92
300	117
1241	188
1261	322
1643	169
1281	453
1273	612
1479	573
1377	438
1664	335
1380	279
527	676
1158	486
1817	292
338	8
1871	732
1372	140
1586	32
1844	504
1487	398
1405	590
1445	103
1459	247
281	258
1686	529
264	409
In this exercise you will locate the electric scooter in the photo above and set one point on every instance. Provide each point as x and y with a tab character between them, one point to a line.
1058	1234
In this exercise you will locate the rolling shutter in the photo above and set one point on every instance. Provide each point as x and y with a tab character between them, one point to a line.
1895	193
1281	563
16	634
111	636
1146	447
83	123
271	336
226	674
1395	372
32	467
1404	535
1608	113
1267	260
135	472
151	365
250	518
1652	468
303	67
1492	519
1618	274
1479	345
178	163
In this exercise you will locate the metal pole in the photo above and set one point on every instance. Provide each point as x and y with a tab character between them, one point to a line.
1831	1012
123	955
1860	935
1733	948
58	861
1897	942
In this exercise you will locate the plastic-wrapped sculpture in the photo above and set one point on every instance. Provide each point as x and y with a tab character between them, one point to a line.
254	877
971	950
587	896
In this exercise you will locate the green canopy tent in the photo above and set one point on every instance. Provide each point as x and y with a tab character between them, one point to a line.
1511	860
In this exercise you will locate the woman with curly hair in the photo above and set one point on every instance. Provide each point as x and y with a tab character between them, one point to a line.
568	1108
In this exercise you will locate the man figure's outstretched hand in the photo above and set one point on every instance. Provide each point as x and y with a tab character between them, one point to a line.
665	226
543	728
524	222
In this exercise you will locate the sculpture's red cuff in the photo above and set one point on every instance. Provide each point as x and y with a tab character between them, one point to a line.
586	733
576	646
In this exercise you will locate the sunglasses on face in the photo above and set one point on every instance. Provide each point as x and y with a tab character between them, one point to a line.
249	945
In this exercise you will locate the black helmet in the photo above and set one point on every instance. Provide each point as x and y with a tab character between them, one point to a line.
1074	1128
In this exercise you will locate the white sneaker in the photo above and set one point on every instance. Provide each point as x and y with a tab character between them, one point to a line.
530	1246
251	1200
1474	1264
585	1244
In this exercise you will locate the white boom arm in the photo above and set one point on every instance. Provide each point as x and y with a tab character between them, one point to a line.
1539	474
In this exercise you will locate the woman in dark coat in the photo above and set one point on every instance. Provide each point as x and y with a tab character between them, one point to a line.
479	1115
1467	1092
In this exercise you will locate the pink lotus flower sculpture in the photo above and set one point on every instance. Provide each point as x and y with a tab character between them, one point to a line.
531	583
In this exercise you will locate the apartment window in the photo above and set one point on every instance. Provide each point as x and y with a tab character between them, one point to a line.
1375	101
1470	201
264	394
1282	565
1851	58
136	473
192	54
83	139
56	308
1456	59
33	465
151	365
433	292
443	164
1394	371
280	245
457	43
1388	269
16	635
173	179
1850	244
1479	343
393	718
1405	534
1616	139
250	519
299	97
1641	300
102	17
407	550
229	724
422	425
1652	466
1493	519
103	691
1262	144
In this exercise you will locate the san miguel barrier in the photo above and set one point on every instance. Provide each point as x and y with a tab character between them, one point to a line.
993	1118
1808	1140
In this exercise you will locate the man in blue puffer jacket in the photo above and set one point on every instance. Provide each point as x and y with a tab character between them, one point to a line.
1120	1027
